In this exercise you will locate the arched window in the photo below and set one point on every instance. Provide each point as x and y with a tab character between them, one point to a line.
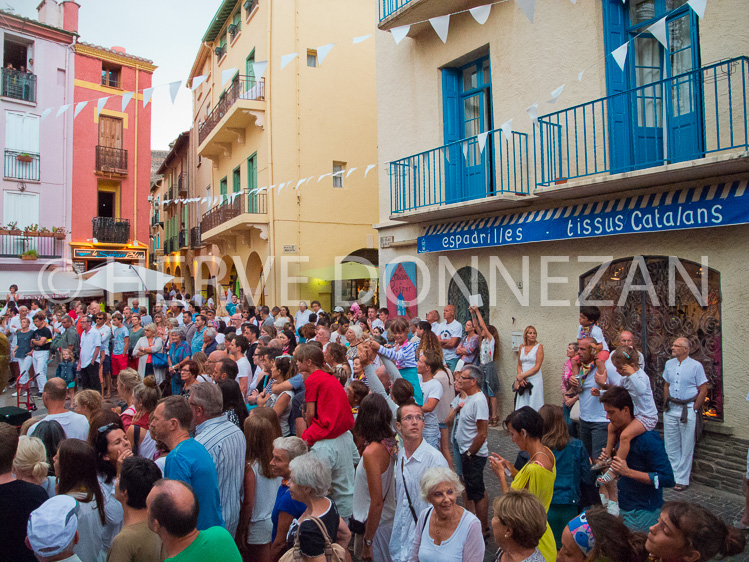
476	284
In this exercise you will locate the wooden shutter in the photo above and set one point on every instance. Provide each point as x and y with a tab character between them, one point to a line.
110	132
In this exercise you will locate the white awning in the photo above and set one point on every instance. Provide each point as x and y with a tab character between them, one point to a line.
55	284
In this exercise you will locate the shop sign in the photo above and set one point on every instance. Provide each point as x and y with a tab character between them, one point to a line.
99	254
722	204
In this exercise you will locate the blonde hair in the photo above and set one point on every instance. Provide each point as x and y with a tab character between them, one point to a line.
523	513
31	458
89	399
129	379
525	334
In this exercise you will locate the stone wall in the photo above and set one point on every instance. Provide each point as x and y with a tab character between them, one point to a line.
720	462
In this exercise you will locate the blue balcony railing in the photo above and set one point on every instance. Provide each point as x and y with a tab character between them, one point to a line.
461	171
388	7
685	117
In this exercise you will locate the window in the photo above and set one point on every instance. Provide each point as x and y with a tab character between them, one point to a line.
21	207
236	180
338	168
110	75
21	146
223	186
235	25
311	58
252	197
18	80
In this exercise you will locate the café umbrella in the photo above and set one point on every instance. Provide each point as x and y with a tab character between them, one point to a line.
118	277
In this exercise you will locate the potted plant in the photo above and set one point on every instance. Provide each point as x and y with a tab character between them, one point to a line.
32	230
4	230
24	157
13	228
59	232
30	255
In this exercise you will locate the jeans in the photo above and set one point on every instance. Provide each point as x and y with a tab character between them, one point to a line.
594	436
89	377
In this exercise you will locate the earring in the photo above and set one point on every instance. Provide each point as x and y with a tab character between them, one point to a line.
507	535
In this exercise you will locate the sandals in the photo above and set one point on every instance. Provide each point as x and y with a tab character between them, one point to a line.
493	421
681	487
601	464
605	478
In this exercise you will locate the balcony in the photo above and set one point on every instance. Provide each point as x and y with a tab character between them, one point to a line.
155	219
182	184
47	247
182	239
19	85
234	30
244	210
108	230
394	13
249	5
683	128
111	160
242	104
195	241
21	165
220	52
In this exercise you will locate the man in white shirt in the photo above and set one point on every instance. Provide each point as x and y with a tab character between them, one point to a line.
88	362
339	336
316	308
684	393
450	332
302	316
433	317
198	299
322	335
237	351
625	338
415	457
74	425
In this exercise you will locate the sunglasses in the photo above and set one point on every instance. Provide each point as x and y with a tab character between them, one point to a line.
107	427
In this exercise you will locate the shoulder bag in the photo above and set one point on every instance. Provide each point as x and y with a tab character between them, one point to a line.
334	552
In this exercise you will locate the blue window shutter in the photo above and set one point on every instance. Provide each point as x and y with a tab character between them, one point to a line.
615	35
452	132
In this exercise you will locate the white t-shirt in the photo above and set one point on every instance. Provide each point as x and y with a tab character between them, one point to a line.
244	367
89	342
486	351
638	386
431	389
302	317
448	393
591	409
106	334
595	332
74	425
447	331
474	409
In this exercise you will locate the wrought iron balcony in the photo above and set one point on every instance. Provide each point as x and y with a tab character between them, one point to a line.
156	219
111	160
220	51
243	203
182	184
111	230
182	237
241	88
47	247
234	29
19	85
249	5
21	165
195	241
389	7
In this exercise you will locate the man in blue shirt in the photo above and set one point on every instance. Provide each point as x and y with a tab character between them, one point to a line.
188	460
645	471
196	344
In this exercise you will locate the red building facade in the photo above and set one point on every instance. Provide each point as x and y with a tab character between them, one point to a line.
111	157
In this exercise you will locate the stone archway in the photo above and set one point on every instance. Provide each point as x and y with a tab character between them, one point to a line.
475	282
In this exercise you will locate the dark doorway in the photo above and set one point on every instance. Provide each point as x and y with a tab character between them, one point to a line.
106	204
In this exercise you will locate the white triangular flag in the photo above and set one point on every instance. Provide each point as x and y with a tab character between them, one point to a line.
126	97
216	200
79	108
309	179
258	69
399	33
147	93
698	6
507	130
658	29
197	81
528	7
369	169
286	59
465	150
300	182
100	104
481	13
281	186
204	200
350	171
46	113
573	1
62	109
322	176
261	189
441	26
533	113
555	94
361	39
227	75
323	51
234	196
174	89
580	76
620	55
481	138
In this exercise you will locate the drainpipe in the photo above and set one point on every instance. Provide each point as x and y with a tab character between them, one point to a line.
135	160
268	120
298	139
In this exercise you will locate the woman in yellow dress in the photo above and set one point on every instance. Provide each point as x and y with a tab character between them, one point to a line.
526	428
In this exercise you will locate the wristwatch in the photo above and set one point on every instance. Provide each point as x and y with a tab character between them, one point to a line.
468	454
368	542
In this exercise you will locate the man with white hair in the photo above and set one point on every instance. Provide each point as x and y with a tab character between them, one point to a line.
302	316
52	530
625	338
684	393
209	341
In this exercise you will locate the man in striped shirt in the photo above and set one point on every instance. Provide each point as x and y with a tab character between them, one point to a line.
403	355
226	444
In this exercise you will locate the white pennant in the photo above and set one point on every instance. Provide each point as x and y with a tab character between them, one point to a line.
658	29
481	13
369	169
350	171
227	75
300	182
309	179
261	189
234	196
46	113
361	39
322	176
555	94
481	138
323	51
79	108
620	55
258	69
698	6
174	89
216	200
126	97
204	200
197	81
100	104
528	7
399	33
281	186
580	76
533	113
465	151
62	110
507	130
286	59
147	93
441	26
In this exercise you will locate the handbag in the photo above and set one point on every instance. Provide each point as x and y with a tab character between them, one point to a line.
334	552
159	360
575	412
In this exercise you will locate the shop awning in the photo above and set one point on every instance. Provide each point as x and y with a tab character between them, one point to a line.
721	204
55	284
342	272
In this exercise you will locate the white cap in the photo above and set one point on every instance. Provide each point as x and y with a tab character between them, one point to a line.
338	309
52	526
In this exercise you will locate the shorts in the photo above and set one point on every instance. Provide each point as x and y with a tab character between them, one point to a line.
119	362
490	384
107	365
473	476
648	422
260	532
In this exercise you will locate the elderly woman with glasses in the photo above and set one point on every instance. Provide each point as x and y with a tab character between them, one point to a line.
189	372
144	349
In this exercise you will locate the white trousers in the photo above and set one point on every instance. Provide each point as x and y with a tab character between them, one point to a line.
40	359
679	438
24	367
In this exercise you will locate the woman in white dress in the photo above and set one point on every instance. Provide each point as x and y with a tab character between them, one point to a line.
529	383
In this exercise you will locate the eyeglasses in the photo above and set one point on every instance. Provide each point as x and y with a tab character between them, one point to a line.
107	427
413	417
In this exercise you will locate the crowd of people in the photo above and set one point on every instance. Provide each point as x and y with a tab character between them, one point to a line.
185	429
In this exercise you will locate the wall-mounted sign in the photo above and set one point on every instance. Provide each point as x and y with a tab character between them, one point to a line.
385	241
289	248
100	254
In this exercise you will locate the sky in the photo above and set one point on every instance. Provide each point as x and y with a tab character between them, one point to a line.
168	32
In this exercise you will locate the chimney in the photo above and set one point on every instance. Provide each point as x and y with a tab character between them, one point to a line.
49	13
70	15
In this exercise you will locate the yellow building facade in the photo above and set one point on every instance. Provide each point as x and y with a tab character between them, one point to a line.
275	154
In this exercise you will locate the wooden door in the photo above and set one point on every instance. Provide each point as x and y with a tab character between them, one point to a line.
110	132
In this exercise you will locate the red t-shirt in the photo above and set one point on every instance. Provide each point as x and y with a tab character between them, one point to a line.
333	412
